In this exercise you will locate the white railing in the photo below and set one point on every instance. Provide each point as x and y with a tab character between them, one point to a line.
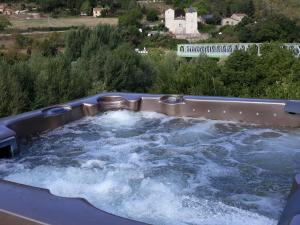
219	50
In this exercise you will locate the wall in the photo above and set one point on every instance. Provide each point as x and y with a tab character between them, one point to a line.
229	21
192	23
187	25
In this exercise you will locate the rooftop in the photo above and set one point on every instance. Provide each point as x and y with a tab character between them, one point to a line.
239	14
98	8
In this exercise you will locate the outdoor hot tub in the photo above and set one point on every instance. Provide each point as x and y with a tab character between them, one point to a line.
118	158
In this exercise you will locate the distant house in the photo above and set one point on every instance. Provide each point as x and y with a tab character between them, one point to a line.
5	10
8	12
185	23
97	11
235	19
2	8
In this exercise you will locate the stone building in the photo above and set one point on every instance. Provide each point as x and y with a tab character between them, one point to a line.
184	25
2	8
235	19
97	12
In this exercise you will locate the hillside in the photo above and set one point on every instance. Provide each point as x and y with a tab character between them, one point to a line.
290	8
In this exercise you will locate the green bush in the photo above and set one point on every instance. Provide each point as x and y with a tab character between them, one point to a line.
272	28
100	59
131	17
152	15
23	41
4	23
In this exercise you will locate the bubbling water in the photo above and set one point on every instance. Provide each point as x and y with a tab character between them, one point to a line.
165	170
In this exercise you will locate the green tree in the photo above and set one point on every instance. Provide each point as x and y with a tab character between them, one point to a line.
199	77
50	5
75	40
242	6
48	48
16	85
152	15
202	6
240	76
54	83
86	7
271	75
131	17
243	30
125	71
23	41
273	28
4	23
165	67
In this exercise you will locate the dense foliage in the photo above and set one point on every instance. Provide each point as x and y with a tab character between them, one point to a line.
272	28
275	74
94	60
4	22
152	15
217	7
253	8
99	59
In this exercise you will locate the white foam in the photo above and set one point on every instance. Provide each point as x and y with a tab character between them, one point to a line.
94	163
118	119
159	169
150	201
262	202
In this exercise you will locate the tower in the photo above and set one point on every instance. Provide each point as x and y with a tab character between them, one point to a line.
191	18
169	19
